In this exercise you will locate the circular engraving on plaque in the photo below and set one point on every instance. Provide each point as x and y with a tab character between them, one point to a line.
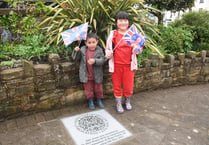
91	124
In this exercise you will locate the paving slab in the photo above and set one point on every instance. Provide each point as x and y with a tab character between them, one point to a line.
172	116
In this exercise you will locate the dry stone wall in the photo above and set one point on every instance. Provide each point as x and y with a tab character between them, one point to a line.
33	88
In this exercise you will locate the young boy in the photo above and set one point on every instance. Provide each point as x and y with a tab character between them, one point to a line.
91	58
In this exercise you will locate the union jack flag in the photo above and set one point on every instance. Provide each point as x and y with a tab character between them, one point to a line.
74	34
134	37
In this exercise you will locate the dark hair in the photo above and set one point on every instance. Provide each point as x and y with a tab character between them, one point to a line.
92	35
121	15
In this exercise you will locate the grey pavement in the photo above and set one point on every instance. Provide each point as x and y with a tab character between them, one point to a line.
172	116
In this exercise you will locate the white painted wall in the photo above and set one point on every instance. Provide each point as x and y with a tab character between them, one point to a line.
171	16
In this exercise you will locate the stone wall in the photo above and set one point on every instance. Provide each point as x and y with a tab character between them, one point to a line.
32	88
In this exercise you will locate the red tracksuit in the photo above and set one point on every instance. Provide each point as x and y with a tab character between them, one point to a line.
122	75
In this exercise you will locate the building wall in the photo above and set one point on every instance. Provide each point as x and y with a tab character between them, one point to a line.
199	5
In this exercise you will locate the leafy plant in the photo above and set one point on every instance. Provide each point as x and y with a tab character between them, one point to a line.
9	22
31	48
22	24
100	14
27	26
198	22
176	39
9	63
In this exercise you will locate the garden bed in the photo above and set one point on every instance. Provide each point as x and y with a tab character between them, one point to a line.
35	60
6	11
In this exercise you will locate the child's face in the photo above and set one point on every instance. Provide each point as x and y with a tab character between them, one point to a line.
122	24
91	43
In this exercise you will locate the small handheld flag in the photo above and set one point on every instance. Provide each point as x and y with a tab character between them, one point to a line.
74	34
134	37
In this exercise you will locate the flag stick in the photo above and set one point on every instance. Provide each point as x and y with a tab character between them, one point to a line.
79	43
114	48
117	44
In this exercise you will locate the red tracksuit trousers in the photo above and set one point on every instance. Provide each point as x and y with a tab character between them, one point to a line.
122	77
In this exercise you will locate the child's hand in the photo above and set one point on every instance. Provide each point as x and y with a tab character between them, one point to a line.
137	50
109	55
133	46
91	61
77	48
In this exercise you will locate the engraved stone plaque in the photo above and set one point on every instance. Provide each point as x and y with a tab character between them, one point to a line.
95	128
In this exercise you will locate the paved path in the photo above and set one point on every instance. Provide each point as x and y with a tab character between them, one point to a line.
173	116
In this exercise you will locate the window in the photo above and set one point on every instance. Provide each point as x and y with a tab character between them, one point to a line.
171	15
201	1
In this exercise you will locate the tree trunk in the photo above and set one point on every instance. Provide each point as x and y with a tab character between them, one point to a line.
160	18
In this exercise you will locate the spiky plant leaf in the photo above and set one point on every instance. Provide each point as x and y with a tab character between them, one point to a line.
100	14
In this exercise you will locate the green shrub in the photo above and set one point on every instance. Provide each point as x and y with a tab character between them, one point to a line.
199	24
9	22
31	47
176	39
22	24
